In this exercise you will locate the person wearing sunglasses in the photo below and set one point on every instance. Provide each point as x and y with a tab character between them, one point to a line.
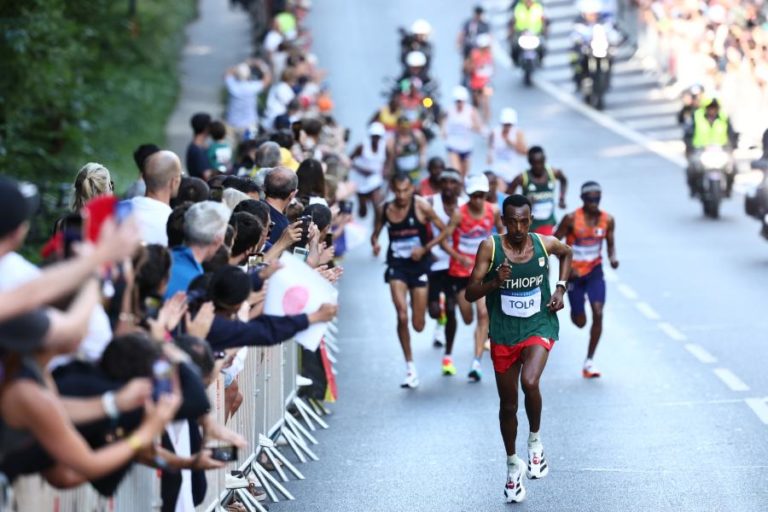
585	230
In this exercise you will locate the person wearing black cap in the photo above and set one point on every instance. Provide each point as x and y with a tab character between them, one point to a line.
17	206
472	28
584	230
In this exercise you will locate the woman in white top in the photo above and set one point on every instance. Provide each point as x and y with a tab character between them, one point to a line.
243	91
460	123
507	149
367	172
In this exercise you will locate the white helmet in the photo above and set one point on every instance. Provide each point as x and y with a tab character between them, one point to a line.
376	129
460	93
416	59
483	40
421	27
508	116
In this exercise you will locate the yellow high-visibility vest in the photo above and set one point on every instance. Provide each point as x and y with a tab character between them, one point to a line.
706	134
529	18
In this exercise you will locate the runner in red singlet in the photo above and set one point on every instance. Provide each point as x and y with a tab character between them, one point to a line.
469	226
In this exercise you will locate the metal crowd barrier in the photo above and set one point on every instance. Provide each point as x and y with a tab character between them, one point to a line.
277	423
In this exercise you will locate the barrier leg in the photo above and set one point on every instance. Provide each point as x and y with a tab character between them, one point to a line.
268	482
293	444
268	452
305	409
282	458
319	408
299	429
297	443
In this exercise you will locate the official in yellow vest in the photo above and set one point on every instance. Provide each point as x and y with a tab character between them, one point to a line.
711	127
528	16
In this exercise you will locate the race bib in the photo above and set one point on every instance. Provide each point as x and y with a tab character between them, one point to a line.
521	304
403	248
485	71
586	252
542	210
470	244
408	162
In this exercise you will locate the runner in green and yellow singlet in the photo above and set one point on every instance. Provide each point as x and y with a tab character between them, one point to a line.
538	184
512	272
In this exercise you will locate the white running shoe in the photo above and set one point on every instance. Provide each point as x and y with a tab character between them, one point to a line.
590	371
537	463
514	491
439	337
411	381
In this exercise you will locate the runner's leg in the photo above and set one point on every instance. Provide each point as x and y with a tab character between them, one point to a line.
455	161
534	359
399	291
450	316
362	205
506	384
465	307
418	307
597	328
481	330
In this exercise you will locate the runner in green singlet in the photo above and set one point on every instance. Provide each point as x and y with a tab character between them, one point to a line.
512	272
538	185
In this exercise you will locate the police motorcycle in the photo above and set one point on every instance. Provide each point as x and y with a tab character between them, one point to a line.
756	199
530	52
712	168
416	39
596	56
418	101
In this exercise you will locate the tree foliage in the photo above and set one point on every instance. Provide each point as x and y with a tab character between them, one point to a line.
82	81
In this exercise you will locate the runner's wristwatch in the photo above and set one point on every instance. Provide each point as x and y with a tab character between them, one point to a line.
564	284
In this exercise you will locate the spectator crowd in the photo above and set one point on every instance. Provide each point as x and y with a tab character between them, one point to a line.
720	45
143	301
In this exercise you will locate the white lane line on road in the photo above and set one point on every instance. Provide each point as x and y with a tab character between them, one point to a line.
647	311
627	291
700	353
760	407
671	331
731	380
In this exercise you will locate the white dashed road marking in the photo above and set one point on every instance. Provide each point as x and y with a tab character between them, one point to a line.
671	331
647	311
731	380
700	353
626	291
760	407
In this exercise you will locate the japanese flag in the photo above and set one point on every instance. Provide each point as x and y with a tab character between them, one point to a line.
297	288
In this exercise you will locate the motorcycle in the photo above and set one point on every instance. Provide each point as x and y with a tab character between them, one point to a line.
530	49
596	56
418	103
712	169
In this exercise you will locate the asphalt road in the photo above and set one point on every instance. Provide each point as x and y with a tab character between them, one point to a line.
676	423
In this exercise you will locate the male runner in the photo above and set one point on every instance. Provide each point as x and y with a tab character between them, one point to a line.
538	185
445	203
470	226
408	259
512	273
584	230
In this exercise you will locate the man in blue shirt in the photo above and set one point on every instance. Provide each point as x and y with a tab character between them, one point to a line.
280	187
205	225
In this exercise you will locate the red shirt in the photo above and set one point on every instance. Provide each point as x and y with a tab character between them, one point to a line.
468	236
425	188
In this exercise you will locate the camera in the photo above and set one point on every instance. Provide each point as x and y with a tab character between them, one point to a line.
162	379
345	206
224	453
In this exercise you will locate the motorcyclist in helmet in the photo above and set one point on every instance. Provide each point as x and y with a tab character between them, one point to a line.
710	127
590	16
416	70
417	40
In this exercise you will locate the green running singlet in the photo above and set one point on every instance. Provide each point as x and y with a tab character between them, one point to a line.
518	310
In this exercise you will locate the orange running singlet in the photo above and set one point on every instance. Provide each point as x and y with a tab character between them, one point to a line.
587	242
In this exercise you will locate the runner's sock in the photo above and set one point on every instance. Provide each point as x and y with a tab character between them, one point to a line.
534	437
410	367
475	364
512	462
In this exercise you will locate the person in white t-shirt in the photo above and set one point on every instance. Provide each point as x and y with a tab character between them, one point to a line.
162	175
507	149
242	114
280	95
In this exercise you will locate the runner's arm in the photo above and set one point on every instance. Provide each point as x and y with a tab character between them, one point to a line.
610	241
562	251
389	162
565	227
477	123
520	146
517	181
422	148
446	242
378	225
489	158
477	289
563	186
431	216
